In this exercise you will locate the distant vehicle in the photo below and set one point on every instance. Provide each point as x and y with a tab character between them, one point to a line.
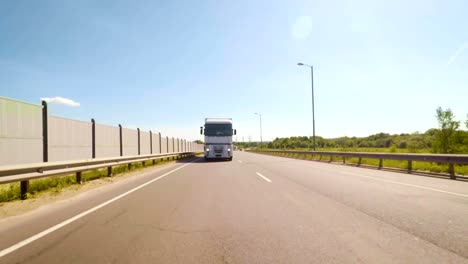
218	138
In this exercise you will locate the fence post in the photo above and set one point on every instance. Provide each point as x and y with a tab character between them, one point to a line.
173	145
138	130
167	144
45	133
380	164
452	171
151	142
93	138
160	147
121	141
410	166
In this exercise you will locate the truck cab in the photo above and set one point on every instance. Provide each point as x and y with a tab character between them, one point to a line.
218	138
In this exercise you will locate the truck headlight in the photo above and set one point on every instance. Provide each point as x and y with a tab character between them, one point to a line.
229	149
207	149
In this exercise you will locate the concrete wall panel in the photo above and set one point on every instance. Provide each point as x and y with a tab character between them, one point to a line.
107	141
164	144
144	143
20	132
156	143
130	142
69	139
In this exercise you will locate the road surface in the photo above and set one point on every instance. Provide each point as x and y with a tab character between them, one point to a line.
254	209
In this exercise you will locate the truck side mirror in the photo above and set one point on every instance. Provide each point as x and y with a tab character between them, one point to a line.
235	131
201	130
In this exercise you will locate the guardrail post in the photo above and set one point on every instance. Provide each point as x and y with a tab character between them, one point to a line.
24	189
380	164
410	166
93	138
173	145
452	171
359	161
109	171
78	177
344	160
120	140
138	141
331	159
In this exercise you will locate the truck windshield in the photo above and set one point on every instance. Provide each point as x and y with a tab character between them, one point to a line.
218	130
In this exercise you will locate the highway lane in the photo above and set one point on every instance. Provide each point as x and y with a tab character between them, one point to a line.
260	209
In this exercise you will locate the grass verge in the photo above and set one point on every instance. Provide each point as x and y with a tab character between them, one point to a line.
421	166
10	192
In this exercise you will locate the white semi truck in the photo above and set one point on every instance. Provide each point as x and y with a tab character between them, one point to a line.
218	138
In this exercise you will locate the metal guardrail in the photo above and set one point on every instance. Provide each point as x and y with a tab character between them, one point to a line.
24	172
450	159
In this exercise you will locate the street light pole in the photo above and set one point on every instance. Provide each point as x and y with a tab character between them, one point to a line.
313	112
261	137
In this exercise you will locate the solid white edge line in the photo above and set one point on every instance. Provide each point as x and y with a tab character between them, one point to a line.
70	220
265	178
407	184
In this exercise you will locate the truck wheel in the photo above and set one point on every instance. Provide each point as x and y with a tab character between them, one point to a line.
230	159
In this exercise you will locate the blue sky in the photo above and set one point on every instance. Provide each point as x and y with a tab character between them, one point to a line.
379	66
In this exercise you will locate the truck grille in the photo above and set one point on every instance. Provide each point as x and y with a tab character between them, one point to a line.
218	149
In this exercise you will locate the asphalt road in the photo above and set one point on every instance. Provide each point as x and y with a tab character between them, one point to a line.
254	209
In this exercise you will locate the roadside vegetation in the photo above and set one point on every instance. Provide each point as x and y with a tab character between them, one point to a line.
10	192
448	138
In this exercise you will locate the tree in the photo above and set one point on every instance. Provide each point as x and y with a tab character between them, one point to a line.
446	136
